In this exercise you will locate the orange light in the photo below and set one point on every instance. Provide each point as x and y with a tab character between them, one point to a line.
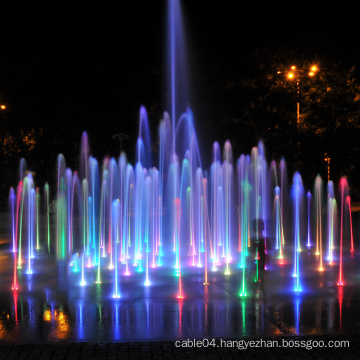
293	67
47	315
311	73
290	75
3	107
313	68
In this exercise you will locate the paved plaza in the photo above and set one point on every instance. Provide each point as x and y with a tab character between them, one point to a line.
51	319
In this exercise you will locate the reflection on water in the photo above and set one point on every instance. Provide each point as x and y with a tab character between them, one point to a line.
47	315
4	324
340	297
297	316
48	318
62	326
91	314
57	323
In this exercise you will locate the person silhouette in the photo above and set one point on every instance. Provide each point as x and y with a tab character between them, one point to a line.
259	247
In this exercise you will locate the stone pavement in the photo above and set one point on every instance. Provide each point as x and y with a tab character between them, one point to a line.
349	348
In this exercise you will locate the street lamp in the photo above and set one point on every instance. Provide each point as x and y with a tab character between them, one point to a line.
327	159
297	74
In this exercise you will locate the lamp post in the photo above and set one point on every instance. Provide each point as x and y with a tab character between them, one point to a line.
327	159
298	74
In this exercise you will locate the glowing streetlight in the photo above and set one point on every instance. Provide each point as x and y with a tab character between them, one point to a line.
297	74
313	70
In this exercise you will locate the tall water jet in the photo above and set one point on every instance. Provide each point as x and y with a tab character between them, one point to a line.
279	228
343	194
308	243
216	186
47	206
12	201
115	213
228	175
331	221
283	191
12	206
177	72
37	210
260	183
143	148
206	231
319	231
297	194
244	188
177	244
147	231
139	209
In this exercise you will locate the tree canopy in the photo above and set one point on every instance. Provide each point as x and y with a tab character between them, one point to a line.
302	116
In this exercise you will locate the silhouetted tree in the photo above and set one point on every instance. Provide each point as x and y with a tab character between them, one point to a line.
329	120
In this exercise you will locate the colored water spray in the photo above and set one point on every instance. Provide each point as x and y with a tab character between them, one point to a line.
297	193
47	199
308	243
116	233
177	242
343	188
279	229
331	221
204	182
319	235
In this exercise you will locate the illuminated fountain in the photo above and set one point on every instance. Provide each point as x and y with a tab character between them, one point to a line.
114	219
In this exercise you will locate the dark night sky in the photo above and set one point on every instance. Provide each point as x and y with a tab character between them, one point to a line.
105	62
